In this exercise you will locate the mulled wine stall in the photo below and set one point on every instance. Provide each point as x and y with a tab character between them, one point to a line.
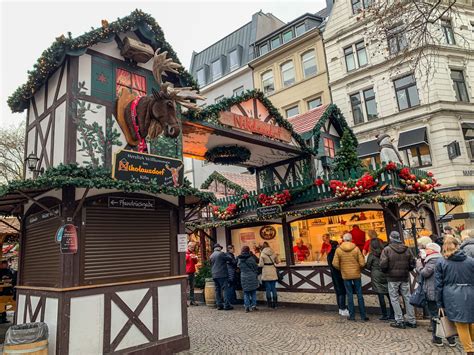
103	198
306	199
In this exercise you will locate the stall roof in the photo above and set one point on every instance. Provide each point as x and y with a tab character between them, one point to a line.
11	226
412	138
238	182
249	120
305	122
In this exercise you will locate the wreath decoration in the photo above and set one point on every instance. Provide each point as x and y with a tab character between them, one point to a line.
227	155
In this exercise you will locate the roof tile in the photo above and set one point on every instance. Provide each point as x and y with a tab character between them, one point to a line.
305	122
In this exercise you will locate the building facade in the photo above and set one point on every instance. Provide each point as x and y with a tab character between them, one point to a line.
430	116
289	66
222	70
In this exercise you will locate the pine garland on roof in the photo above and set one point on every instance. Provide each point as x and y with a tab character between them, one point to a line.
53	57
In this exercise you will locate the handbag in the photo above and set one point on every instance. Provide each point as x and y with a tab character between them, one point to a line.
444	327
279	274
418	298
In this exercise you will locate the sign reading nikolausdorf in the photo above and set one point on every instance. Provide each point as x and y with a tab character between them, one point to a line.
129	165
254	125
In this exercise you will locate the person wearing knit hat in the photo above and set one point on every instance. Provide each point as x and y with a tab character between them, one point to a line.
397	262
426	269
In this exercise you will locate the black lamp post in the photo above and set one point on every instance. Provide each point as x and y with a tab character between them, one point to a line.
32	163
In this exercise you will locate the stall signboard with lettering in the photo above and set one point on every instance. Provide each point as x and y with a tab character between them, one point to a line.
182	243
131	203
129	165
43	215
69	239
268	210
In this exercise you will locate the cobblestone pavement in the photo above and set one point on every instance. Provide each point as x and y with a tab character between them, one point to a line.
293	330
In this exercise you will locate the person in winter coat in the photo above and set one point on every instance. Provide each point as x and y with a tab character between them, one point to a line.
372	235
358	236
397	262
378	277
220	275
337	281
426	269
232	271
191	261
349	259
455	290
249	278
267	262
468	242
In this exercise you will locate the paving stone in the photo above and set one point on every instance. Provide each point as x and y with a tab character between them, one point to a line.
293	330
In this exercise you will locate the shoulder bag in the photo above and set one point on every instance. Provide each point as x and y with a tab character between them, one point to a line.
279	274
444	327
418	298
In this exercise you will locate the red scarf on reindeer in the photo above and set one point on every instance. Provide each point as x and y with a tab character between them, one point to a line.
142	147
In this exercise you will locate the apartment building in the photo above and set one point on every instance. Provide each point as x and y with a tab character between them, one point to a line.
290	68
430	116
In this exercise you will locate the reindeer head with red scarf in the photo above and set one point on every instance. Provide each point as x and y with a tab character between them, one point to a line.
153	115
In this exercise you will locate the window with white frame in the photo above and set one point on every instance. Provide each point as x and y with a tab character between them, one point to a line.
216	68
292	111
363	106
309	63
234	59
313	103
355	56
287	35
288	73
397	40
406	91
459	85
300	29
238	91
268	84
201	77
263	49
448	32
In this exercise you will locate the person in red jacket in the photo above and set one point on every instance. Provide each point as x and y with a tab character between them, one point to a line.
358	236
191	261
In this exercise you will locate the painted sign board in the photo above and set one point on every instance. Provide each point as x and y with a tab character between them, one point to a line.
131	203
43	215
129	165
254	125
182	243
268	210
69	240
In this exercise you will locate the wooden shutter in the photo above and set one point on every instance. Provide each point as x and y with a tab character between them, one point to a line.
102	79
121	245
41	254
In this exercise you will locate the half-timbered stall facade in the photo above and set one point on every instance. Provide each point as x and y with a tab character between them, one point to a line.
103	199
303	199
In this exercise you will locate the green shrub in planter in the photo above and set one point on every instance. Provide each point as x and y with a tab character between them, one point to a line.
203	274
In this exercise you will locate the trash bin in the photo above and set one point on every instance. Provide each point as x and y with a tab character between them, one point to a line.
28	338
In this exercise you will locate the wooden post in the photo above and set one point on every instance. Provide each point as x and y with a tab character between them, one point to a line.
391	215
69	276
228	237
288	241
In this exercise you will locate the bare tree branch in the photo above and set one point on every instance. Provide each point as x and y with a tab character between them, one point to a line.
12	145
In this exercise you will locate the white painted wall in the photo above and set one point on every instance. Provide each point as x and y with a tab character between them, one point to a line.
59	134
84	72
169	311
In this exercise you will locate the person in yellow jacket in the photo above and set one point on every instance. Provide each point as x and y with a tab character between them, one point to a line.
350	261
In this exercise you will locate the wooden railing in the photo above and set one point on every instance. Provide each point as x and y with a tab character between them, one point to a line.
313	193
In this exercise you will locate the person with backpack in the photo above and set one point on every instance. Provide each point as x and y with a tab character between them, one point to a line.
397	261
267	262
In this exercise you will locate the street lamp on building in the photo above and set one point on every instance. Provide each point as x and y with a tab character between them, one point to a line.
32	163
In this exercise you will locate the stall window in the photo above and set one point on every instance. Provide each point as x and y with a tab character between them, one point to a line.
418	156
254	237
133	82
311	237
267	82
288	73
329	147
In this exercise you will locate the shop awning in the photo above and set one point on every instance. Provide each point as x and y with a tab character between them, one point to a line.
412	138
367	149
468	130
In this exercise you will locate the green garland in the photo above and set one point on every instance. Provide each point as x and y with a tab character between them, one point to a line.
216	176
399	198
227	155
210	114
99	178
54	56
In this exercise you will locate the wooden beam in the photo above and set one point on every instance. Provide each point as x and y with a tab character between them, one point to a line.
36	202
81	202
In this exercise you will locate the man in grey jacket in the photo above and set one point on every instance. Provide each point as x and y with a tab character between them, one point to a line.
220	275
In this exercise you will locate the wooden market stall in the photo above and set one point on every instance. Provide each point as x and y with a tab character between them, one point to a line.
103	200
301	198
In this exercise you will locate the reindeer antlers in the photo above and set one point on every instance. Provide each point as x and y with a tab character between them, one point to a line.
183	95
161	64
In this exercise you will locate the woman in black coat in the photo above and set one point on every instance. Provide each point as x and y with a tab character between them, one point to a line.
337	281
455	290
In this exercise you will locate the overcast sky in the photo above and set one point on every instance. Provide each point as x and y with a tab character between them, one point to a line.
29	27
